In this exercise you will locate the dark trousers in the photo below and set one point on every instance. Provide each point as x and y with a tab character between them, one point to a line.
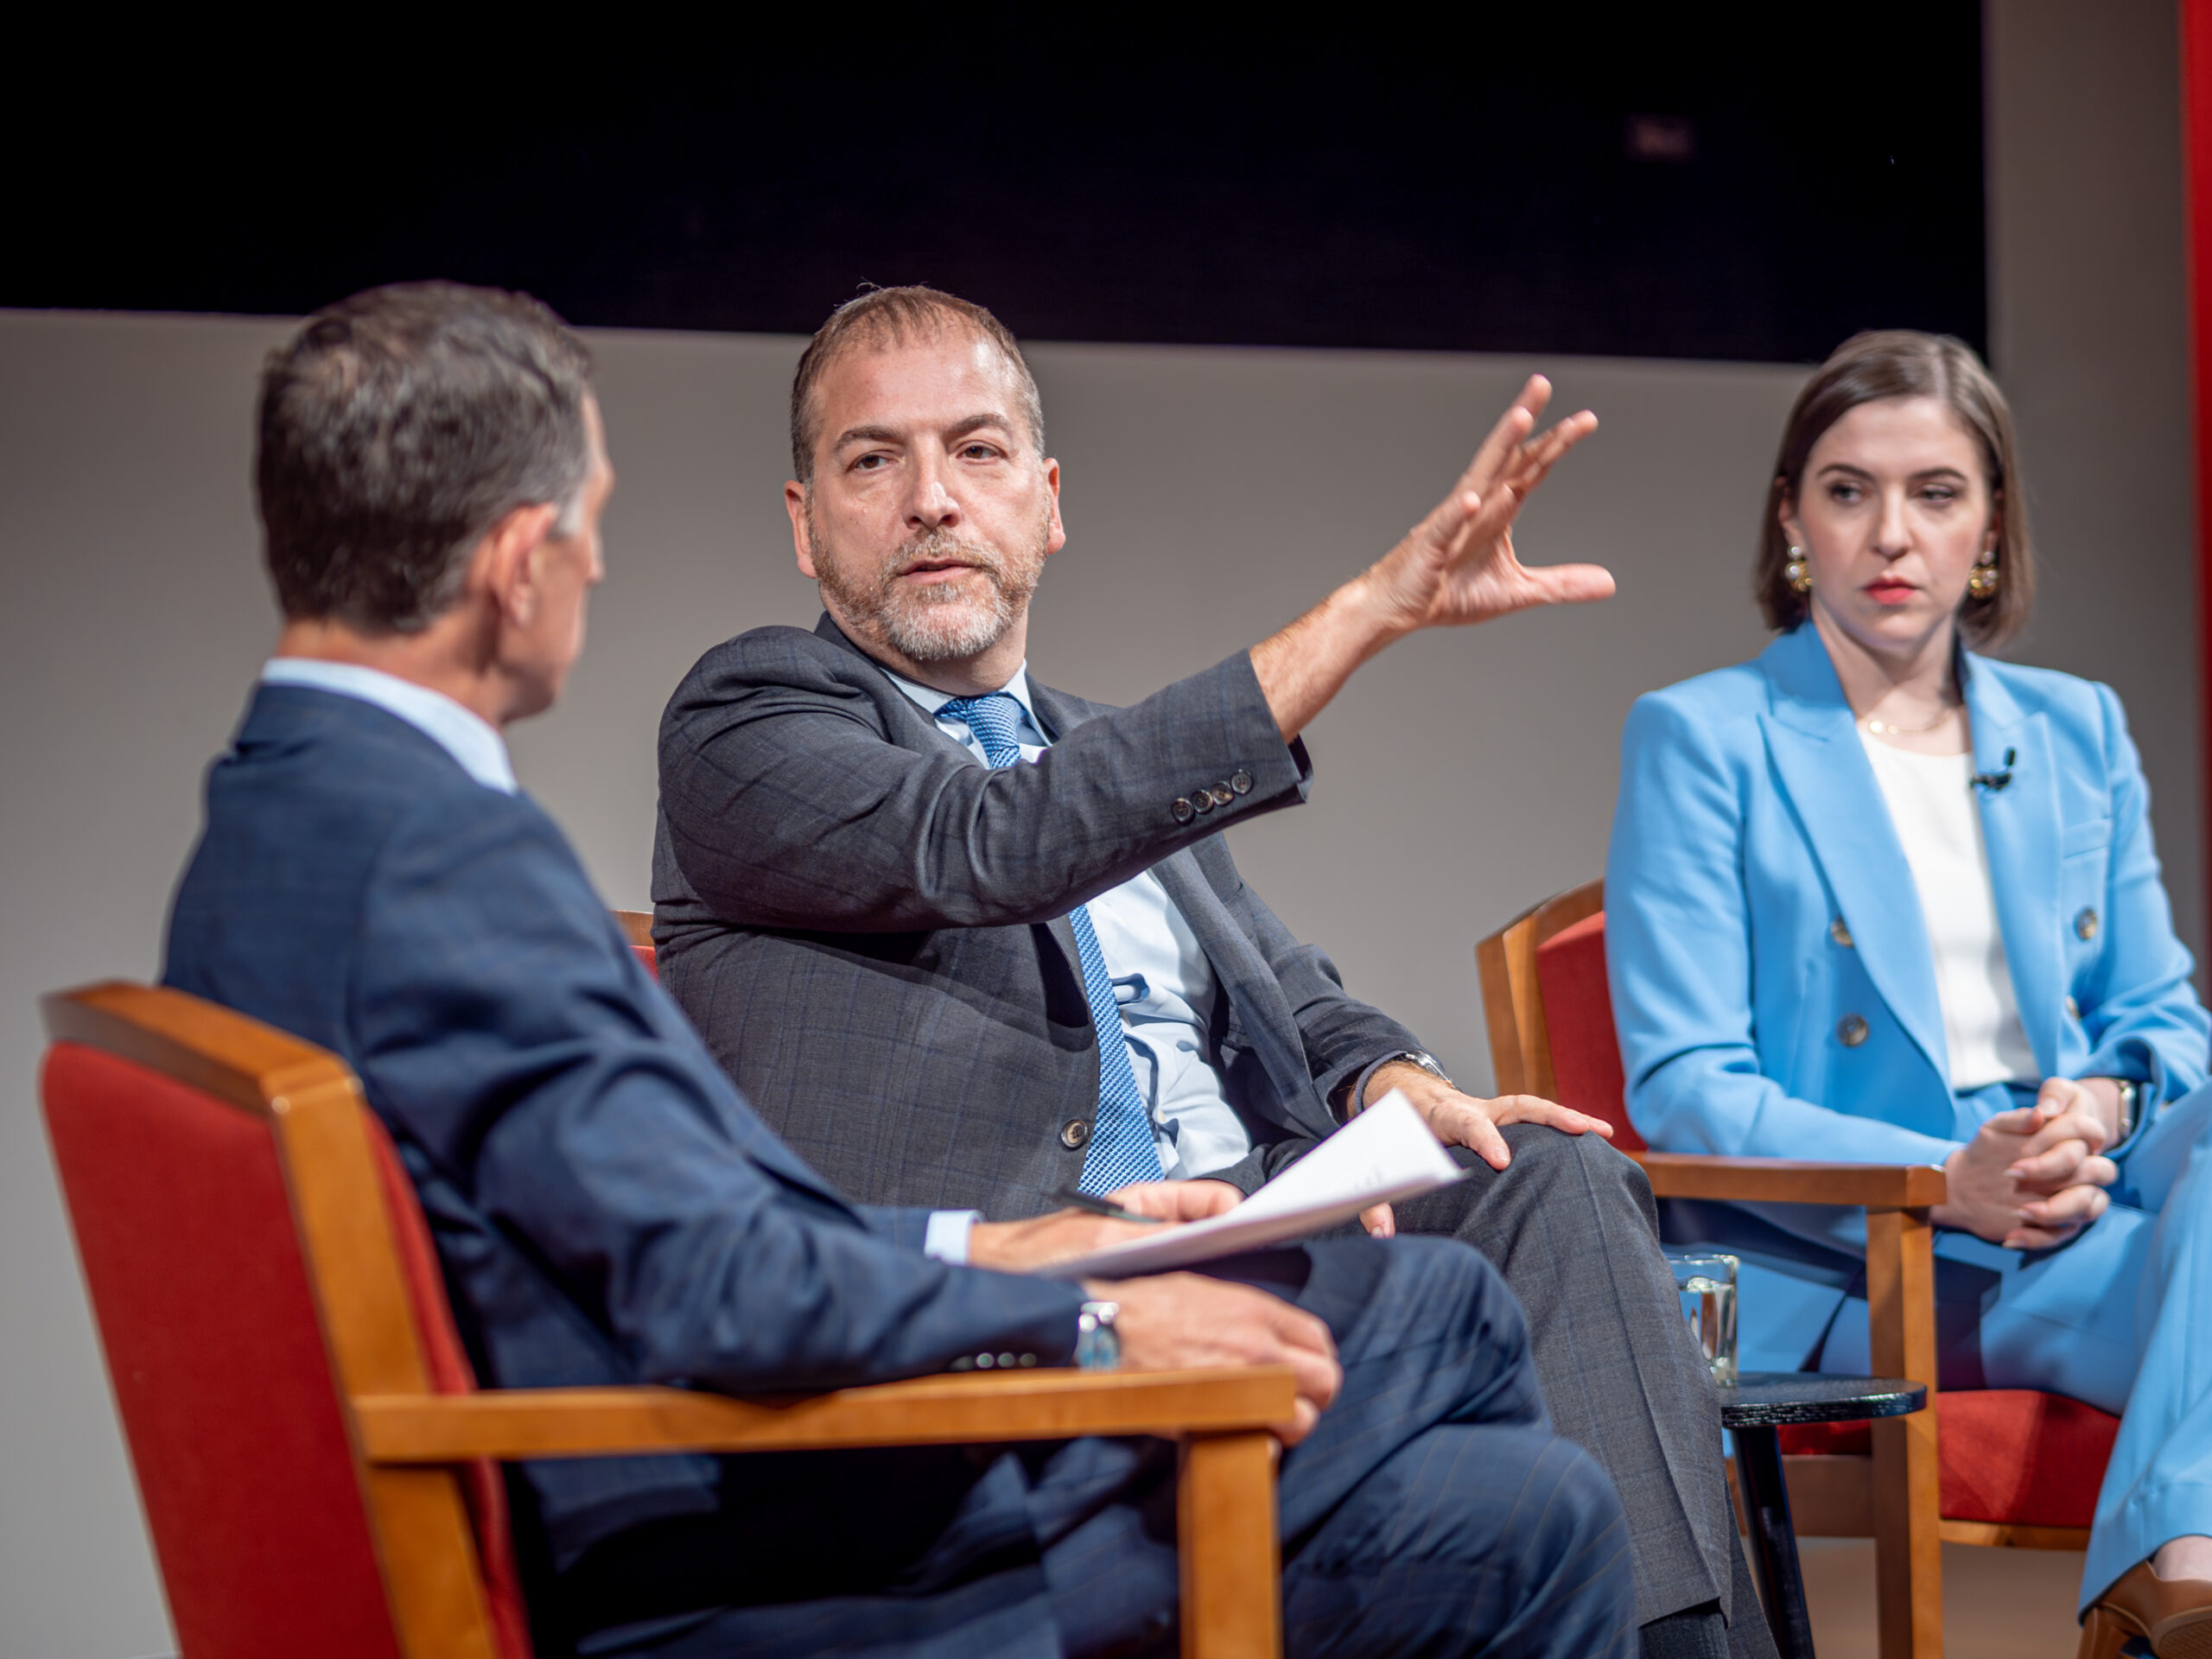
1571	1225
1433	1511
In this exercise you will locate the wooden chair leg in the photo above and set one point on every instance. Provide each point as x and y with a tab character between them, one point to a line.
1231	1562
2102	1636
1908	1498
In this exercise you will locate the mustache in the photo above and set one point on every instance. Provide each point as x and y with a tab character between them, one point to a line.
941	547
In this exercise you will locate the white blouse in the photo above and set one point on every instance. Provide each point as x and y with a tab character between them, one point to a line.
1932	802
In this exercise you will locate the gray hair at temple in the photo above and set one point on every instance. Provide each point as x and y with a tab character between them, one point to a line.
884	317
395	429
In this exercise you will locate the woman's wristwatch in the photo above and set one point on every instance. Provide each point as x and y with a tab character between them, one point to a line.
2130	1102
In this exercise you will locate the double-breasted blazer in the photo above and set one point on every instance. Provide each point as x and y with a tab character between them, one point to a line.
1772	975
869	926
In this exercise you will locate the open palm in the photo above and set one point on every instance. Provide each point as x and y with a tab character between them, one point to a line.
1458	565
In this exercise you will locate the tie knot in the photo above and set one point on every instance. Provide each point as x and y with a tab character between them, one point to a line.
994	720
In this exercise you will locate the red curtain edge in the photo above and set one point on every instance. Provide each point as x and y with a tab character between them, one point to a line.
2196	23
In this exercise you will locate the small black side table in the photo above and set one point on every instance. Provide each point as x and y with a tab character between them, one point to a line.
1761	1402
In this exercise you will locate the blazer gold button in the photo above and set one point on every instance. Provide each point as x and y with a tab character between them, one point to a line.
1202	799
1075	1133
1840	933
1182	810
1240	781
1851	1030
2085	923
1222	795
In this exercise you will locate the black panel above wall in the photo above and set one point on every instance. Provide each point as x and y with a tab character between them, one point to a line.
1662	186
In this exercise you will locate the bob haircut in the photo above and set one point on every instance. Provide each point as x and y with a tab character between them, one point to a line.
1903	363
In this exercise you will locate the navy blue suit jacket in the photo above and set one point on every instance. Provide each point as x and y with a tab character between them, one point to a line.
606	1208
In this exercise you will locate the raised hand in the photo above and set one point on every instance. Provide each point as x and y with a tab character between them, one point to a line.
1455	566
1458	565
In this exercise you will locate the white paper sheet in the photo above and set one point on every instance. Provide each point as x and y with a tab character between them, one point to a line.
1385	1153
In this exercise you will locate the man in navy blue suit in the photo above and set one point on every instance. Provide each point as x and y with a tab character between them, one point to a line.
431	474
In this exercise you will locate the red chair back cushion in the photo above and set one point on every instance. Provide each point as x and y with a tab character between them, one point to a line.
1579	1021
218	1365
645	955
226	1391
2006	1455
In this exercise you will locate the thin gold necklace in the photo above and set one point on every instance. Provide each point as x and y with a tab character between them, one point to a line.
1884	728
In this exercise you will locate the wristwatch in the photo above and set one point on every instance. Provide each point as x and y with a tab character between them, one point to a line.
1097	1344
2130	1102
1345	1098
1427	1062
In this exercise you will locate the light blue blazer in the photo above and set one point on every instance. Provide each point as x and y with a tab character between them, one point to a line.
1771	974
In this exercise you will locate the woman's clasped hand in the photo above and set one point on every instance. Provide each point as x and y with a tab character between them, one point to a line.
2035	1176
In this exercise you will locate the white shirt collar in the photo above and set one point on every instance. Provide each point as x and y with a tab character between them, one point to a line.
473	742
931	700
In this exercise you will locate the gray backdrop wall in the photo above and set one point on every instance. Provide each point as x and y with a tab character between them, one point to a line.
1211	495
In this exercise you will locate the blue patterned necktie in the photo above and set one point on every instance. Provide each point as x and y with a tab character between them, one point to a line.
1121	1147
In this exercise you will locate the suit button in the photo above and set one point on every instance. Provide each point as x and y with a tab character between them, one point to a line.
2073	1009
1851	1030
1075	1133
1182	810
1222	795
1240	781
1840	933
2085	923
1202	799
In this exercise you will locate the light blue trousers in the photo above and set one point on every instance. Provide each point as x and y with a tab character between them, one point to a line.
2122	1318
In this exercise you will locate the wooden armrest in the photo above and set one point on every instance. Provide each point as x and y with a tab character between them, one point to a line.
1792	1181
968	1409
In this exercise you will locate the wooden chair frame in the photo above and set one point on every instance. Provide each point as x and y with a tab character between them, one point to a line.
1901	1504
408	1439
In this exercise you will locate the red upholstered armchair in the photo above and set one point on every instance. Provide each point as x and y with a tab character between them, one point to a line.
312	1452
2004	1466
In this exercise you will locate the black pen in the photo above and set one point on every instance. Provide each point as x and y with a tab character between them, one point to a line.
1068	1195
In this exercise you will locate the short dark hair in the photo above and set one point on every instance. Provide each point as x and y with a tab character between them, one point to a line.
395	429
1904	363
894	316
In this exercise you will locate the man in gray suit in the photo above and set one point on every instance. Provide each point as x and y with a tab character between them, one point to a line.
903	942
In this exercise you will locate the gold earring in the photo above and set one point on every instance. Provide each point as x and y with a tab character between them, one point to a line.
1981	581
1797	573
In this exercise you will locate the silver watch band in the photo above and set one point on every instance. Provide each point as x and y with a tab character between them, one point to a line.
1097	1344
1427	1062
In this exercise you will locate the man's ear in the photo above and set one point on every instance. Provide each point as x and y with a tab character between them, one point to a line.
505	565
1056	533
802	542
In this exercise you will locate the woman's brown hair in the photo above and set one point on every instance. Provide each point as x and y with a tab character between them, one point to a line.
1903	363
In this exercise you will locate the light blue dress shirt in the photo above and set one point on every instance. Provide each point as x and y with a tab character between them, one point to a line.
1162	981
477	747
473	742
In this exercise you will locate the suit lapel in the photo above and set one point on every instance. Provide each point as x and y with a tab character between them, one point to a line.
2020	825
1814	744
1252	990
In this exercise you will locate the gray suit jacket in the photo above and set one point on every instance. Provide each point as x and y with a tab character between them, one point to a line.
870	928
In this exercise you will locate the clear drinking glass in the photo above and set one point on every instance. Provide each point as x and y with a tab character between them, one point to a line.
1707	1285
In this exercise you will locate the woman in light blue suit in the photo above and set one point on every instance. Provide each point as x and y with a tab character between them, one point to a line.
1874	897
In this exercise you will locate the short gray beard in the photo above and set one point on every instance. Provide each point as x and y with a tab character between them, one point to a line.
937	625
